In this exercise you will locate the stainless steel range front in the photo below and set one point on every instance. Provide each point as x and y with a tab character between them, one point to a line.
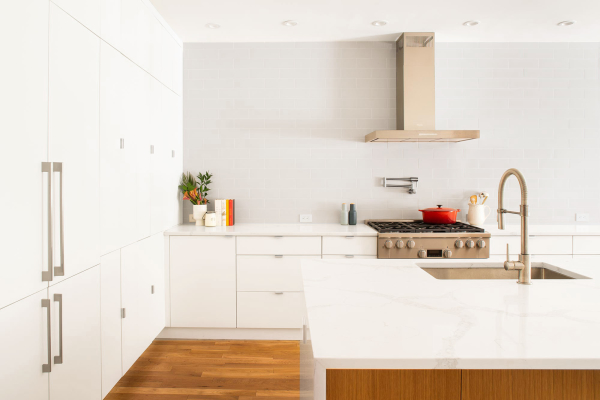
415	239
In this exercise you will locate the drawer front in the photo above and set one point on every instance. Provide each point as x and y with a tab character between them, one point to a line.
270	273
270	310
290	245
347	257
588	245
537	245
355	245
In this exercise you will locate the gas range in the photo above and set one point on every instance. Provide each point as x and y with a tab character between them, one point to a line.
416	239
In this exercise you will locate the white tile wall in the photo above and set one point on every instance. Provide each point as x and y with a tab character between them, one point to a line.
282	126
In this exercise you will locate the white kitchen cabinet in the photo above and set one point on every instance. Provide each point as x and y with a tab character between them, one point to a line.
283	245
110	314
110	22
172	126
160	161
74	134
347	257
350	245
86	12
24	348
586	245
23	123
270	273
270	309
118	214
142	293
202	277
76	365
168	52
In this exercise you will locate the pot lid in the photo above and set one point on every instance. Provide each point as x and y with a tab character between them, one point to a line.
440	208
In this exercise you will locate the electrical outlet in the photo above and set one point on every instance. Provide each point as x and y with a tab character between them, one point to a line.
191	218
582	217
305	217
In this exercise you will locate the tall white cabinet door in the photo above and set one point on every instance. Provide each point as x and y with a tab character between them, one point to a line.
140	292
24	349
158	161
110	22
110	315
77	376
87	12
74	134
117	156
203	292
172	128
23	123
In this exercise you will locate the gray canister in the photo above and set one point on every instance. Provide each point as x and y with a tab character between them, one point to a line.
352	216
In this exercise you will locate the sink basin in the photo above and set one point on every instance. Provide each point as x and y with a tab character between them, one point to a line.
495	271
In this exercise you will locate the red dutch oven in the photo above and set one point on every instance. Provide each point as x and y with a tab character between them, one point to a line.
439	215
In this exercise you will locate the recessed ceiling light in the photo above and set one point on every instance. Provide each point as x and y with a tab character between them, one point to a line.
566	23
471	23
379	23
213	26
289	23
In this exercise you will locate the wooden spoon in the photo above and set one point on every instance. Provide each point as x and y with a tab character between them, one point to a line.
473	199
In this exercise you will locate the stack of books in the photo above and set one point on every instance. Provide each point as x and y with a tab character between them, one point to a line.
225	210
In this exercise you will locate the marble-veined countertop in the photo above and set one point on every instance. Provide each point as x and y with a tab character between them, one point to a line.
393	314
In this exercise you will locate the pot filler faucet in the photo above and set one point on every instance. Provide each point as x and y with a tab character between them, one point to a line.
524	263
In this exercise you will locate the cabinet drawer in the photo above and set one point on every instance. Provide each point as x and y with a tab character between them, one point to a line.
366	246
537	244
291	245
270	273
348	257
588	245
270	310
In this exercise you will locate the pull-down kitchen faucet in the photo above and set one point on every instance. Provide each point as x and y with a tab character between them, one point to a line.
524	263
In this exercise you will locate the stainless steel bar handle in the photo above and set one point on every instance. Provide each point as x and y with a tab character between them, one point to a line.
59	270
46	305
59	358
304	335
47	275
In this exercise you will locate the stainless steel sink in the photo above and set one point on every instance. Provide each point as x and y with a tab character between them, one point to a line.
495	271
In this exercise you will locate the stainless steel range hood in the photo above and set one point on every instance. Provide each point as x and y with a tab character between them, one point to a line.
415	95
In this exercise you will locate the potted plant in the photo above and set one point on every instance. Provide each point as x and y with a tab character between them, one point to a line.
190	189
204	181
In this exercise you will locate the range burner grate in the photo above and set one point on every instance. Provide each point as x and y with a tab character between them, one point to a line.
421	227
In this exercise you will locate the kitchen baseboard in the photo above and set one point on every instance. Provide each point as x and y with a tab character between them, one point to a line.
229	334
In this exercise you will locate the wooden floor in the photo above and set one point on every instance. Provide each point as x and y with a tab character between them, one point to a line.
208	369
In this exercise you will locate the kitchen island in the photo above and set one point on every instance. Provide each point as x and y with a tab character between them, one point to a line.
372	315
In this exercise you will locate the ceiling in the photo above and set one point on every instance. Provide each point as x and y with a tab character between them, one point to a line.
332	20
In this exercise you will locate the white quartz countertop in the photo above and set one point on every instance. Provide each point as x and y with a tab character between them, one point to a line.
274	230
308	229
392	314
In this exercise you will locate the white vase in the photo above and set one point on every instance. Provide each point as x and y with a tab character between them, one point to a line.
199	211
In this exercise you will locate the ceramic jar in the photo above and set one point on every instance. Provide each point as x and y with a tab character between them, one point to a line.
477	214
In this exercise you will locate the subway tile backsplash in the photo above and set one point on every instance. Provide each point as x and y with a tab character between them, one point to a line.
281	126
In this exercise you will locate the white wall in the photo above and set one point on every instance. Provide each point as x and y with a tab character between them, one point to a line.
282	125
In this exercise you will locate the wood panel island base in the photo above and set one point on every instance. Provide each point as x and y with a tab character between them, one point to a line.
449	384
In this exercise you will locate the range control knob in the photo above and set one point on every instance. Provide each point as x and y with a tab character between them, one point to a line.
410	244
388	244
459	244
481	243
400	244
470	244
422	254
447	254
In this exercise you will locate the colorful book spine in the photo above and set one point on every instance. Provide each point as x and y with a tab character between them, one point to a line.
218	211
229	212
223	213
